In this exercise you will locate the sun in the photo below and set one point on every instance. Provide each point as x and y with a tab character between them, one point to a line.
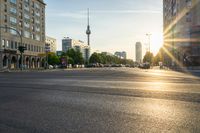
156	42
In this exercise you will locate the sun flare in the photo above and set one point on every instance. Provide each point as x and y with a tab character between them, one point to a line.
156	42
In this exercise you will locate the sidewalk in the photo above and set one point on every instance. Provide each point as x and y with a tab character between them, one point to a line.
180	69
30	70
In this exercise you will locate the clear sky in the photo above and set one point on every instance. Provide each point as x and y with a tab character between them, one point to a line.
116	25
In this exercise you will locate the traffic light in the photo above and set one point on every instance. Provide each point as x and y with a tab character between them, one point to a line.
22	49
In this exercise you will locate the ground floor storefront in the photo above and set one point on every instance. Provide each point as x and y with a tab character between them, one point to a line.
13	61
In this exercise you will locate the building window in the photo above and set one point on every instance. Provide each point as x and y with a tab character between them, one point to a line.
27	1
37	21
12	45
26	16
5	8
37	37
26	34
13	31
26	7
13	20
15	45
26	24
37	29
13	10
13	1
36	5
37	13
31	47
5	18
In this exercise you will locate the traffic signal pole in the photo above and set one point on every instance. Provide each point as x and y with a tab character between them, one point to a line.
21	61
21	50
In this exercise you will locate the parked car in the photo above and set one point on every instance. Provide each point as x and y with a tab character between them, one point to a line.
145	66
50	67
91	65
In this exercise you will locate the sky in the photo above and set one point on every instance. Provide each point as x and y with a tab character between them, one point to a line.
116	25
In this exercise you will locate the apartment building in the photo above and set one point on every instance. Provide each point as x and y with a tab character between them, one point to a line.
51	43
25	18
182	28
68	43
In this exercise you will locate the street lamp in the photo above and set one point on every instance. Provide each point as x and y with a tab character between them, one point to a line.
149	37
1	50
20	48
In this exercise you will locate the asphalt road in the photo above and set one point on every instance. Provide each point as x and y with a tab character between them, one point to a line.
107	100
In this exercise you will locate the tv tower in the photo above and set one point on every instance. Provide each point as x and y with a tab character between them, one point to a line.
88	31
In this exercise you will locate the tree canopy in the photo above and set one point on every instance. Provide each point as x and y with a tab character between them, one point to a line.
148	57
108	59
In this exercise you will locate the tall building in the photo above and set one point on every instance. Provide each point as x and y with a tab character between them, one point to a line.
182	28
138	52
88	31
52	43
25	18
68	43
121	55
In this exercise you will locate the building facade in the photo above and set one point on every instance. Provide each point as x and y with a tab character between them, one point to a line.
138	52
28	18
181	29
121	55
52	43
68	43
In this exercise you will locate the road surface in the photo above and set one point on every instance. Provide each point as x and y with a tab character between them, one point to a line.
106	100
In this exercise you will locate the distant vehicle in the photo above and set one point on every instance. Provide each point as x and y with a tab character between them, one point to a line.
91	65
101	65
127	65
50	67
55	66
114	65
107	65
145	66
132	66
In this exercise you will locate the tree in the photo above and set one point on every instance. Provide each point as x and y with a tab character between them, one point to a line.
108	59
95	58
53	59
78	57
148	57
159	57
75	56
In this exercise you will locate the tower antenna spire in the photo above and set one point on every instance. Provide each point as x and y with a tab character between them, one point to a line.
88	31
88	13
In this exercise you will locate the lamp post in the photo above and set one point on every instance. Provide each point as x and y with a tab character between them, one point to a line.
1	50
149	38
20	35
